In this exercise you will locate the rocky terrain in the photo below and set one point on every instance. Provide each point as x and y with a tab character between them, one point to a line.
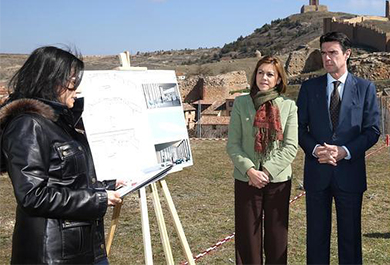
373	66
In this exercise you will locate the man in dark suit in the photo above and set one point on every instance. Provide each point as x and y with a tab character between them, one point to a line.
338	121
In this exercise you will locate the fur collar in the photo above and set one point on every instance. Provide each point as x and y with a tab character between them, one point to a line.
22	106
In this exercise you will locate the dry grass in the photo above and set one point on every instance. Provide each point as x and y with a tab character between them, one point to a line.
203	195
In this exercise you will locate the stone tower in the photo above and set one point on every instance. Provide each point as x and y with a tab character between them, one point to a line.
314	6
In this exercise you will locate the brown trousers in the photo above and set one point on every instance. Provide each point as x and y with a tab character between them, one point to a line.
250	204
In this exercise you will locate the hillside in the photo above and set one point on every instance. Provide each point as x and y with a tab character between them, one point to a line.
10	63
281	35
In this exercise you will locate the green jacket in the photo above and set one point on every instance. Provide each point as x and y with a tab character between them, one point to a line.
240	146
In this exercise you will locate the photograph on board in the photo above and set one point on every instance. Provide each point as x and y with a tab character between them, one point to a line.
177	153
161	95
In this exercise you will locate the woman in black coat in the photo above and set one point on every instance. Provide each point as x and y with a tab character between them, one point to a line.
60	203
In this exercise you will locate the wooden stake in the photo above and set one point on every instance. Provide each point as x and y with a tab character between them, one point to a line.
114	222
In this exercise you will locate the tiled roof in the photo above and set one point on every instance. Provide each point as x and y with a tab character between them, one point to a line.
214	120
203	102
188	107
235	95
213	108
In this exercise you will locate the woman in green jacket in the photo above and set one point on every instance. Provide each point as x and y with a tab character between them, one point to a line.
262	143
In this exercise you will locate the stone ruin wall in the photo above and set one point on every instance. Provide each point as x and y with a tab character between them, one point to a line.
188	92
373	66
303	61
211	88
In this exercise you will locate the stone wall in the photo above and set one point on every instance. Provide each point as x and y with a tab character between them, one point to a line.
303	61
370	36
360	34
360	19
330	24
211	88
191	88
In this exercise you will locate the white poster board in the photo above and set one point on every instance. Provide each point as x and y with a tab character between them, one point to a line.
134	122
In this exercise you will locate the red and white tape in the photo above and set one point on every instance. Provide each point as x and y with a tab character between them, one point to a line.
226	239
297	197
377	150
208	139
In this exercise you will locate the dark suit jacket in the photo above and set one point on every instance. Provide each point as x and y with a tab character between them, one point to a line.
358	130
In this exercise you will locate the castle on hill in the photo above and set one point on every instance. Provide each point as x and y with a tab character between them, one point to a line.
358	32
314	6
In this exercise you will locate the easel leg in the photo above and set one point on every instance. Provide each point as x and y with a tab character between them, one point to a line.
114	222
178	226
145	228
161	225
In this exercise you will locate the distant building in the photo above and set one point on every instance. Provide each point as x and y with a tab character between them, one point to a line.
387	14
210	99
180	76
189	115
214	121
314	6
214	126
229	103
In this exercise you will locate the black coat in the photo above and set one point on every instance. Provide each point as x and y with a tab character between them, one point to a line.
60	203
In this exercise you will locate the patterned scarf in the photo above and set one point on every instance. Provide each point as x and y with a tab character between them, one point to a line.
267	121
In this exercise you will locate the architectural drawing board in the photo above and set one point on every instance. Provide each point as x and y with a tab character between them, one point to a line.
134	120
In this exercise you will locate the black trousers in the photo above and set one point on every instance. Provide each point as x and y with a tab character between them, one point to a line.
319	224
250	204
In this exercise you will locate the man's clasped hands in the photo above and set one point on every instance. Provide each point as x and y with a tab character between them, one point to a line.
330	154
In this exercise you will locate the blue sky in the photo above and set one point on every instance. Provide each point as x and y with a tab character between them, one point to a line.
102	27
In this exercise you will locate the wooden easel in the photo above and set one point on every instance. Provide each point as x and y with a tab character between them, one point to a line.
125	65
